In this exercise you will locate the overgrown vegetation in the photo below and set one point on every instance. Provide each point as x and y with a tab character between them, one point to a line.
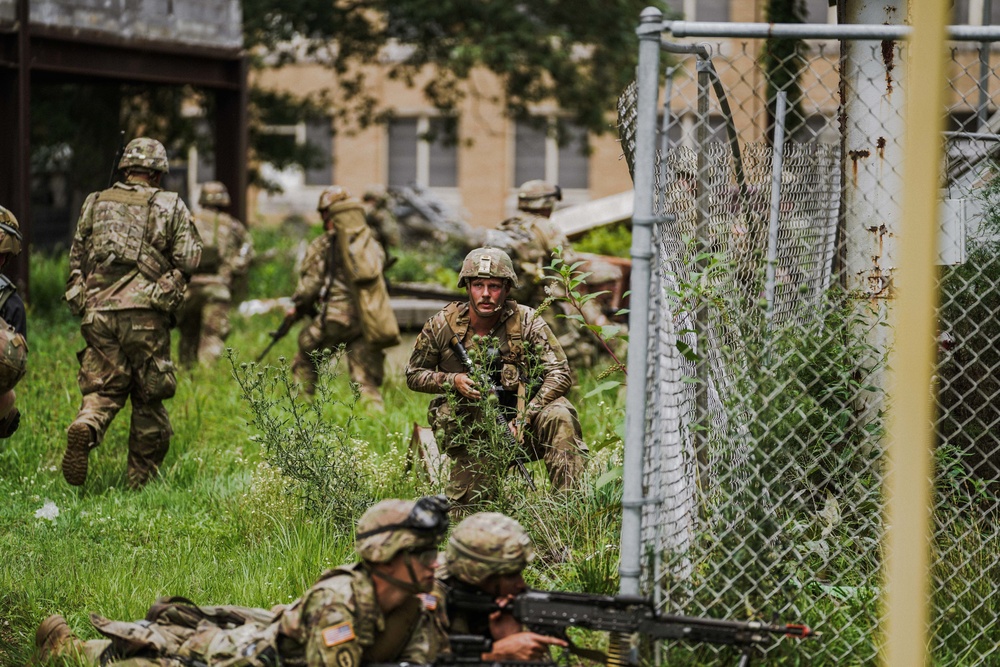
232	519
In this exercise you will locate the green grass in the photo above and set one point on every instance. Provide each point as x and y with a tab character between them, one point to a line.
219	525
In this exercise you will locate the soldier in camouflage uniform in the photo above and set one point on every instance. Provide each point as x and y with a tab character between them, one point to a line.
13	345
376	610
486	554
531	239
203	318
381	219
529	366
324	291
132	255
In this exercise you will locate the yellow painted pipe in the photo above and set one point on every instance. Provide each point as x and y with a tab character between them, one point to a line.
911	437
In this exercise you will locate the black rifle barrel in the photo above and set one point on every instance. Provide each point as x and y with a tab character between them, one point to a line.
630	614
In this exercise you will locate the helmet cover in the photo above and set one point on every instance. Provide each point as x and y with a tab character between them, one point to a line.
393	526
144	153
487	263
10	233
487	544
214	193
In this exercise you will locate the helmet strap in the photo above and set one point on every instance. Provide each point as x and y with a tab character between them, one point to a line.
411	586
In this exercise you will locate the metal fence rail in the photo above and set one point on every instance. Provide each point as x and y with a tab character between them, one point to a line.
770	295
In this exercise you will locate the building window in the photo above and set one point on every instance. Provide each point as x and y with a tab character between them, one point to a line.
710	10
820	11
424	151
699	10
310	140
319	137
555	152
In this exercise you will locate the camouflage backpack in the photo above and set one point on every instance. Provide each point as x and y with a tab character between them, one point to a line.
13	357
13	347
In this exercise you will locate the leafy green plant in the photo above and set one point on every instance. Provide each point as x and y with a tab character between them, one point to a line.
569	288
614	240
311	440
47	283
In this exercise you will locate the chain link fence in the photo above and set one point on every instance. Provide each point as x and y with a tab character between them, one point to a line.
771	295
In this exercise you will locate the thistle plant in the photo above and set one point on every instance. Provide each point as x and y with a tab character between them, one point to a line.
311	440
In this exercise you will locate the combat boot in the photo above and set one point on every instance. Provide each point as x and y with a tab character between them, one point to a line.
54	638
79	441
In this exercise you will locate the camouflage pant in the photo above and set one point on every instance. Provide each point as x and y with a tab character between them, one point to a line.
178	646
366	364
203	322
552	435
128	356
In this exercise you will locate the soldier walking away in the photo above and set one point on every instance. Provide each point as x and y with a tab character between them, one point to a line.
227	249
13	328
485	558
133	253
374	611
342	268
527	370
531	238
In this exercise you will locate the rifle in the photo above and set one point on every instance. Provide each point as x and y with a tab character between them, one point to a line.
282	331
502	422
552	612
118	157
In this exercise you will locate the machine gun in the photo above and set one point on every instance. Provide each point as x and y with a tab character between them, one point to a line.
552	612
502	422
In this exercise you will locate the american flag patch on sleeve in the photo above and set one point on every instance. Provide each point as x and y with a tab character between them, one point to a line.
338	634
430	602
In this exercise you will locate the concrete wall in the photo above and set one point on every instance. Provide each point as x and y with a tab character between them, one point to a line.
215	23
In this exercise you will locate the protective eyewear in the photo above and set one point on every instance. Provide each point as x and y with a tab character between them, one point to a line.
429	515
426	557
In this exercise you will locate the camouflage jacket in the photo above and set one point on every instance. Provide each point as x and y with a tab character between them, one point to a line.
533	239
338	623
227	248
100	263
536	357
319	266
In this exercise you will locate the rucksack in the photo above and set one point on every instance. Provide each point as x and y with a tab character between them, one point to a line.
363	260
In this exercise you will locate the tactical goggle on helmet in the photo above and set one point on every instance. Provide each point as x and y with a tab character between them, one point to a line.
384	530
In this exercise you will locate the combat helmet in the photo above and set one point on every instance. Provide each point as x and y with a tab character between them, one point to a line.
394	526
487	544
214	193
10	233
487	263
538	195
144	153
331	196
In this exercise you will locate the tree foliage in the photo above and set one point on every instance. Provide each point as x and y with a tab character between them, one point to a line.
578	54
784	62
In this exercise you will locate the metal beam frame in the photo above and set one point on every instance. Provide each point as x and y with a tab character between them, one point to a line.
39	53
